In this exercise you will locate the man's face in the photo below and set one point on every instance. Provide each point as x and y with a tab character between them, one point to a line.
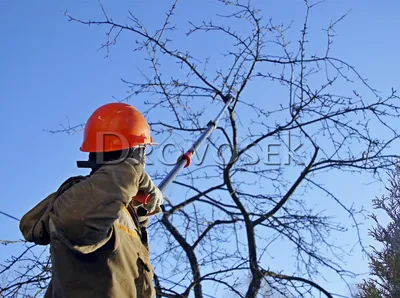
139	154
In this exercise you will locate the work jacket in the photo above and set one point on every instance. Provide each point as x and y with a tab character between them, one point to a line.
98	248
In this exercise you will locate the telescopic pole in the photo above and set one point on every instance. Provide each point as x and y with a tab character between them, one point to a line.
185	159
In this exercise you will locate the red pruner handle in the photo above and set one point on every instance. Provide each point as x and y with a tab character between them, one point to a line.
141	197
188	157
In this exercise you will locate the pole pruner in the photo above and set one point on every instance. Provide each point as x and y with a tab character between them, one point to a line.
185	159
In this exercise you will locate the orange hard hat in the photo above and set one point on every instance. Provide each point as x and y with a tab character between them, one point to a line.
115	126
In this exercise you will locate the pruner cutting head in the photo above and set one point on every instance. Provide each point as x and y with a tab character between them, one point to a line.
227	97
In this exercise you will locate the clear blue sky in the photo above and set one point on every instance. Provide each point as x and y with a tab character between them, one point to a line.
51	69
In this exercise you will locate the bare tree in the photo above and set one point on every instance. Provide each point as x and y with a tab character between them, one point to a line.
230	214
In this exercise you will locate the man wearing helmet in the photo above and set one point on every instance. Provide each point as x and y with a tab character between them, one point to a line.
98	243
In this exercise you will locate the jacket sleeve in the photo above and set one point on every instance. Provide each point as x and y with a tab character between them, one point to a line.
86	212
34	224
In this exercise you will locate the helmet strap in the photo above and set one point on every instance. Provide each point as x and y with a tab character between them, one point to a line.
98	159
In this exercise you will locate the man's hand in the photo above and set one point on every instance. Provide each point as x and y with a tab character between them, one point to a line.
155	201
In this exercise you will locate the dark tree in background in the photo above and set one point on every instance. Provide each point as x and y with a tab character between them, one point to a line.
385	256
234	222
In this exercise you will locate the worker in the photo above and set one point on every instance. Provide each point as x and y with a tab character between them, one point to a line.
98	243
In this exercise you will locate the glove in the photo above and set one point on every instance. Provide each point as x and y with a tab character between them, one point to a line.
154	202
